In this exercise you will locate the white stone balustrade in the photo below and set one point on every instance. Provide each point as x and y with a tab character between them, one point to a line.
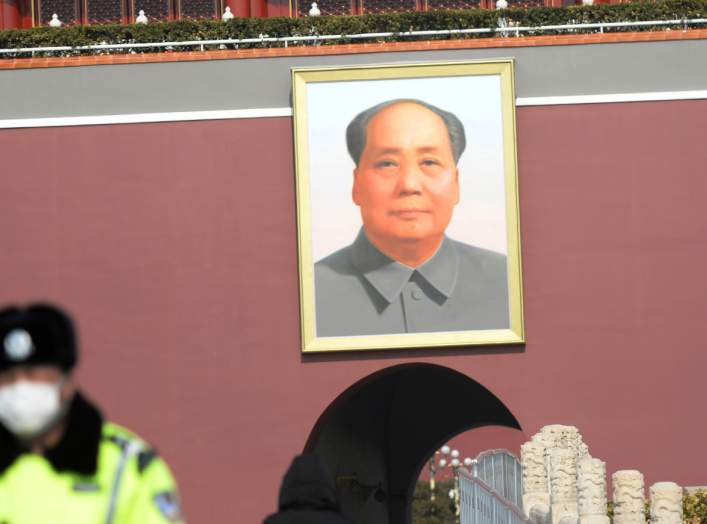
666	503
559	436
227	14
629	498
536	496
591	491
563	486
314	11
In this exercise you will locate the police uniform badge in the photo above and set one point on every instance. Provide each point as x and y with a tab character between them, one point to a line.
18	345
168	505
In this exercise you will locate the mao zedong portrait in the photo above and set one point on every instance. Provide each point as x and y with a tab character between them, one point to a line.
402	274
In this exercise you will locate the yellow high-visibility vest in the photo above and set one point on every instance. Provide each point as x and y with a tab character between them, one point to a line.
132	485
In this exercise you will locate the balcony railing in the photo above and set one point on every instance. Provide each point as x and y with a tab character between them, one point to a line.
268	41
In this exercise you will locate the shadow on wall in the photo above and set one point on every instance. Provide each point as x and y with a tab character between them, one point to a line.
377	435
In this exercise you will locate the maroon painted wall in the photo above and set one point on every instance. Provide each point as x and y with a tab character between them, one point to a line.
175	246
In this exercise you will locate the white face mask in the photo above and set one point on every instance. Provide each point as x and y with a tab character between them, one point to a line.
30	408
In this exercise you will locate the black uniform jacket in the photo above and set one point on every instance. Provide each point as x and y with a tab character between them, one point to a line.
307	495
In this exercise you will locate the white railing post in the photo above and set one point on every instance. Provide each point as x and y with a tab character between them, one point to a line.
591	487
536	495
628	497
563	484
666	503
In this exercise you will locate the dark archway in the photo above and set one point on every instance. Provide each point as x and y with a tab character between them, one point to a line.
376	435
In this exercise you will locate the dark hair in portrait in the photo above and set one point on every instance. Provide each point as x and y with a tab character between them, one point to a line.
356	130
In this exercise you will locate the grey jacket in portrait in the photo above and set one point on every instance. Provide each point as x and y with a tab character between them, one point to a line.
360	291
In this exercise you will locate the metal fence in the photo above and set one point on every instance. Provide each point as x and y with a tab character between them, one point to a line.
479	504
492	492
501	470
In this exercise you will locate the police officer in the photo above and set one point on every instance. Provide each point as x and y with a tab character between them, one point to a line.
60	461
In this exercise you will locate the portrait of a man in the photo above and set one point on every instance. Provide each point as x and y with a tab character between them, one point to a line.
402	274
407	207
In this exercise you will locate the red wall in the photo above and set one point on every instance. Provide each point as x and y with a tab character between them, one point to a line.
9	14
175	246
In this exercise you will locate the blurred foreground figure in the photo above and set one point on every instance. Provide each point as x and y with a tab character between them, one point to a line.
307	495
60	461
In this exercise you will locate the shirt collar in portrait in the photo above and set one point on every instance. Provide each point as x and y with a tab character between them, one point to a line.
388	276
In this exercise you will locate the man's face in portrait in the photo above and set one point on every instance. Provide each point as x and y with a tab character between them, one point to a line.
406	182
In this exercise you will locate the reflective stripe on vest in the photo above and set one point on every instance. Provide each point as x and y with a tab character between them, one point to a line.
130	448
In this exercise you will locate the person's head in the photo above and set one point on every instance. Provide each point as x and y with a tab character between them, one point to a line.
37	355
406	181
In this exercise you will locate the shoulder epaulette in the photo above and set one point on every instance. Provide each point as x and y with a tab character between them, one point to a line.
145	458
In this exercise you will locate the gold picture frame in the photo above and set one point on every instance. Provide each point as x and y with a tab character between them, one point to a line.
324	99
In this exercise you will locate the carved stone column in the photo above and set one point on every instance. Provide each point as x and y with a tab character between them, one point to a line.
591	491
629	499
563	485
536	494
559	436
666	503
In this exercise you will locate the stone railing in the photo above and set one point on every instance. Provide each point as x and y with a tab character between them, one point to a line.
564	484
